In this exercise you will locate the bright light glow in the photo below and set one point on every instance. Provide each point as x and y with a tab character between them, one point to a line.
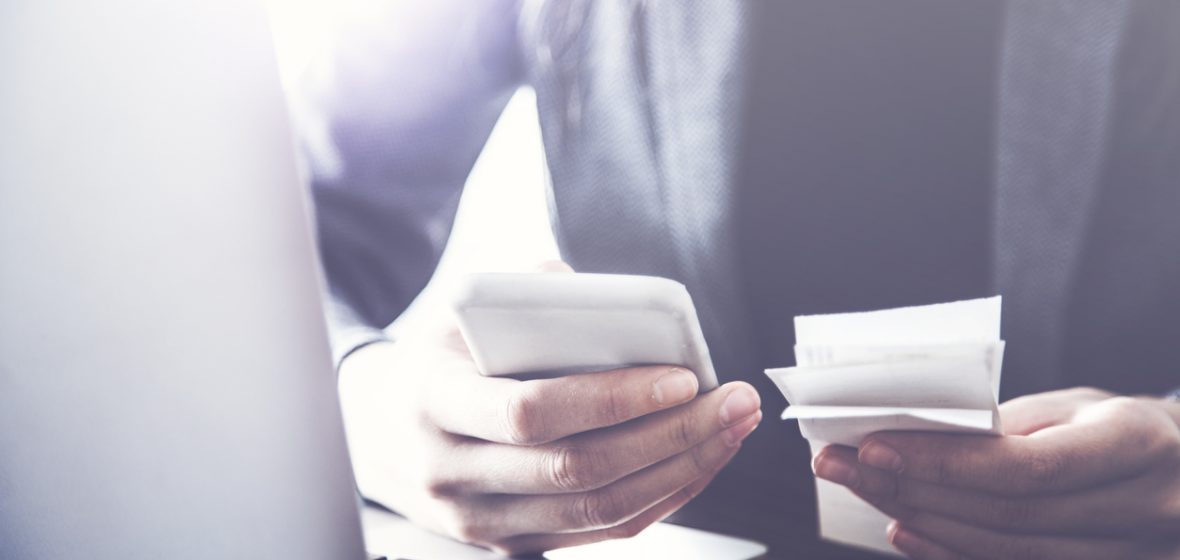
303	29
503	221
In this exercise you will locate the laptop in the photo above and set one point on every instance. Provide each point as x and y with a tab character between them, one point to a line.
166	389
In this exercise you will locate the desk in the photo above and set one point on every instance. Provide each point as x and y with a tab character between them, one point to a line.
747	500
391	534
782	520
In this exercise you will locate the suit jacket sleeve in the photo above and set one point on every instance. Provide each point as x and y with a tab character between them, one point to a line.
390	122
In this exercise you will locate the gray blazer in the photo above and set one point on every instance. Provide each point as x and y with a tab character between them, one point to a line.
640	105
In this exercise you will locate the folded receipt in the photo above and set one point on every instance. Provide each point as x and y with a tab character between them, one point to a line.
930	368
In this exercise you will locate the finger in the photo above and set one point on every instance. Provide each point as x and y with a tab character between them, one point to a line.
542	410
916	547
1053	460
838	464
594	459
534	543
1132	507
986	544
1032	413
508	515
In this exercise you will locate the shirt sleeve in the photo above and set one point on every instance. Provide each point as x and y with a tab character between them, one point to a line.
390	121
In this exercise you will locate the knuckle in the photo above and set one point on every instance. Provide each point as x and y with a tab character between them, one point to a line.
1172	509
1163	446
463	526
522	416
625	531
944	469
948	465
422	417
434	475
682	432
1141	417
1045	468
1039	471
1125	405
1087	393
689	493
1170	448
574	469
438	487
1153	430
700	461
597	509
1167	516
614	406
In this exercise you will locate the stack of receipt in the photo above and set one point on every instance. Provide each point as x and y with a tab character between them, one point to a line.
931	368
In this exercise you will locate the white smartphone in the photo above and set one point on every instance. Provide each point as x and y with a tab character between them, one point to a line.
549	324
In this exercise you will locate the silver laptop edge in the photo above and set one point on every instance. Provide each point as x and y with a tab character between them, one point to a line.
166	388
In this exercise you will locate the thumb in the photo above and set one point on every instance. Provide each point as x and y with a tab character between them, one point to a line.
1033	413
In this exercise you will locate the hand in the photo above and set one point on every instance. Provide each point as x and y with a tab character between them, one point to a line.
1079	474
526	466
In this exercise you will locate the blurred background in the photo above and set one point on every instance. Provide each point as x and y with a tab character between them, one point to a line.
503	219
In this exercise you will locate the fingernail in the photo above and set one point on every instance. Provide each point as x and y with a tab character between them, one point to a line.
836	470
740	403
674	387
878	455
904	540
735	434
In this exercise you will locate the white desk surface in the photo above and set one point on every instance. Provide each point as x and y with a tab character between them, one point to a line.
392	535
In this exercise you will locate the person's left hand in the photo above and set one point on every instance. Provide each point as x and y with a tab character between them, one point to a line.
1079	474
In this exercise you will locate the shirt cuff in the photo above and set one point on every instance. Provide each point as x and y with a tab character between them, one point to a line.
350	340
347	333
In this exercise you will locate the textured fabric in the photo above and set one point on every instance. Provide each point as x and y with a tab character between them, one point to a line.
1120	326
1054	100
391	123
681	65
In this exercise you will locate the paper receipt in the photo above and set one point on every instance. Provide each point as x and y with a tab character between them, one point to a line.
931	368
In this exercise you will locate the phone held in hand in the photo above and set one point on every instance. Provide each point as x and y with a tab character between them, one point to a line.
549	324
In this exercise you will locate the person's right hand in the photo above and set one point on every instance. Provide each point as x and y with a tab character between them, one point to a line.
526	466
